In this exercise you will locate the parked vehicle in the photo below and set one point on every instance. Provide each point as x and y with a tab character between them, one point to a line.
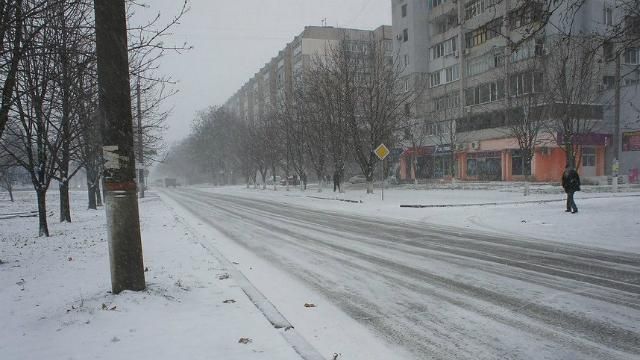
293	180
358	179
269	180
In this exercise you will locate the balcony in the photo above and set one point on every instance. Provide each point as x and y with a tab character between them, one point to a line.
446	10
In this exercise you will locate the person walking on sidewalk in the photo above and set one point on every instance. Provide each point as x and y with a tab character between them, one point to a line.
571	184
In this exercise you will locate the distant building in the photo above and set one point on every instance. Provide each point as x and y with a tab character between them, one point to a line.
276	79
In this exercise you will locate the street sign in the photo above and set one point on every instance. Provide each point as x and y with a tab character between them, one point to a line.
382	152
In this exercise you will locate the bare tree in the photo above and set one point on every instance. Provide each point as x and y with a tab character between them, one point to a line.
573	76
322	83
7	174
526	110
33	128
16	34
317	132
443	125
75	59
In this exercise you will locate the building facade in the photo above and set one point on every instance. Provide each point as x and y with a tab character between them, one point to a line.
478	58
271	84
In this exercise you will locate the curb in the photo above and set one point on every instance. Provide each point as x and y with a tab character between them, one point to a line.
510	202
297	342
343	200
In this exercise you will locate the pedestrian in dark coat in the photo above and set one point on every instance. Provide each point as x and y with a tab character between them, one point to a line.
571	184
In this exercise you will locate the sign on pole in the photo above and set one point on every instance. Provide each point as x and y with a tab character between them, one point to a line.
382	152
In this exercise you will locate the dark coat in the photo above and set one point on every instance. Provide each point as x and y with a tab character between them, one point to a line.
570	180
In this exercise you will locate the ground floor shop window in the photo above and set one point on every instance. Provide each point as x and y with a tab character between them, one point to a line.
485	168
518	165
472	167
588	156
442	166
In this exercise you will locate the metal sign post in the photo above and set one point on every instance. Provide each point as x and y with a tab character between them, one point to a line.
382	152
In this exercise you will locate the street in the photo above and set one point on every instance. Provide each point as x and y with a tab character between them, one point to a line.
442	292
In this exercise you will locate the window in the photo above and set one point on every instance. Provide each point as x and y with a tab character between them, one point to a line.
539	47
452	73
632	56
406	60
528	13
486	32
435	79
526	83
407	110
405	35
517	163
473	8
434	3
404	10
484	93
608	16
483	63
445	76
406	85
446	47
632	25
607	49
588	156
477	7
609	82
472	167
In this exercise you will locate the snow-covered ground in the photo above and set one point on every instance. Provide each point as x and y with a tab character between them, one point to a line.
436	291
55	290
56	304
605	219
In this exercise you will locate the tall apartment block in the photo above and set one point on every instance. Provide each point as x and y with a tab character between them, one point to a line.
459	49
268	87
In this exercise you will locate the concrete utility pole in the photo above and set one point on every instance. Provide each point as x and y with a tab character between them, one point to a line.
140	145
616	128
125	245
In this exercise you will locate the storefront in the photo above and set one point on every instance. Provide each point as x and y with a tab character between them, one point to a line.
484	166
423	156
432	162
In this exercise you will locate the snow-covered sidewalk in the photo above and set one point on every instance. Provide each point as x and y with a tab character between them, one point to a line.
56	304
607	220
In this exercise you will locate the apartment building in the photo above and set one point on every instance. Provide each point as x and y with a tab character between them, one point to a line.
460	48
271	84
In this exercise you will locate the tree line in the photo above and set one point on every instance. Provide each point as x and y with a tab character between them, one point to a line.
50	126
348	101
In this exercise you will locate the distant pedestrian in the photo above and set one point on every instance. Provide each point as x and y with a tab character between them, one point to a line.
571	184
336	181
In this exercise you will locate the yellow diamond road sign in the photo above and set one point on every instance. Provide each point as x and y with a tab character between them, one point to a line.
382	152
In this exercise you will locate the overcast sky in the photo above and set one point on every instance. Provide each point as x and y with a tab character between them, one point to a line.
232	40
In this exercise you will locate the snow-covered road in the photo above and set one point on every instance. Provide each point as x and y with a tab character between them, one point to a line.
442	292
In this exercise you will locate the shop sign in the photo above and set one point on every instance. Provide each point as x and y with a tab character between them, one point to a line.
443	149
590	139
484	155
631	141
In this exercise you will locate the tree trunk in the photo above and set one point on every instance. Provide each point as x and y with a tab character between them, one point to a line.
42	213
98	194
10	190
65	207
414	171
91	193
369	186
